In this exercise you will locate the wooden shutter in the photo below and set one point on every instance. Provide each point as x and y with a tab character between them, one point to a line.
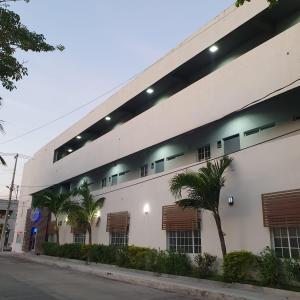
175	218
281	209
118	222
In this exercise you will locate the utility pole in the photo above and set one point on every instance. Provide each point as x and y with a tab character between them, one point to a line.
11	188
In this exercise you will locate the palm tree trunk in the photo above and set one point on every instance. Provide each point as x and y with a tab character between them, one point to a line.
90	234
57	230
220	232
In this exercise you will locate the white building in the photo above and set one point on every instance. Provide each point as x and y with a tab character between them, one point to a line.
230	88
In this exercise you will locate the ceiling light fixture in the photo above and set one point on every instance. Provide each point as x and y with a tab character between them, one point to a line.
213	48
149	91
78	137
70	150
108	118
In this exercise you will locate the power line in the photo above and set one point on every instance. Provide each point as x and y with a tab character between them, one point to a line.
70	112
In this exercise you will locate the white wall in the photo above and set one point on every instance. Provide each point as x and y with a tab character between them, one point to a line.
254	172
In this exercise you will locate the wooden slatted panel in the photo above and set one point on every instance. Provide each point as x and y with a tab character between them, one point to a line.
175	218
281	209
118	222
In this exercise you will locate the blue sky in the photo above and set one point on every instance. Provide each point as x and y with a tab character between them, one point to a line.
107	42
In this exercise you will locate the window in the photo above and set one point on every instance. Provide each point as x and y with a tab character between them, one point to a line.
259	129
286	241
204	153
114	179
175	156
144	170
159	166
103	182
184	241
79	238
119	238
232	144
124	173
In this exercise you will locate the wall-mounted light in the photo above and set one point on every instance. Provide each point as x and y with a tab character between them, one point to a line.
146	209
70	150
213	48
78	137
98	214
66	219
107	118
150	91
230	200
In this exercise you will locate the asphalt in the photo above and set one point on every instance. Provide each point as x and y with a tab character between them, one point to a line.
21	279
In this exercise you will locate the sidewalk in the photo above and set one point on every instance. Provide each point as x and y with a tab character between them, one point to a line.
200	288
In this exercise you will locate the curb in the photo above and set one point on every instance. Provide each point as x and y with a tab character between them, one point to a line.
233	292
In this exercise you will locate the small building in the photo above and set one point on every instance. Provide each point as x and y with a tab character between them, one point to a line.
232	88
10	229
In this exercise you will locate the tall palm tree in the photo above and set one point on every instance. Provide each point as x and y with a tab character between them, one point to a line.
87	208
203	190
58	204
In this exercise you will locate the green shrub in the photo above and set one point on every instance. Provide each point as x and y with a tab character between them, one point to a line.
238	266
292	269
50	249
204	264
177	263
270	266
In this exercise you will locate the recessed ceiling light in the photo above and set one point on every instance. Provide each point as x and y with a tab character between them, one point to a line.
108	118
213	48
70	150
78	137
149	91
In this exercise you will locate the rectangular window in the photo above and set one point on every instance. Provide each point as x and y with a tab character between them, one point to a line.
119	238
103	182
184	241
123	173
286	241
144	170
114	179
159	166
175	156
259	129
204	153
79	238
232	144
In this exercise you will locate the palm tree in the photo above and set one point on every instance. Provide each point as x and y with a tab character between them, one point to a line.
87	209
58	204
203	190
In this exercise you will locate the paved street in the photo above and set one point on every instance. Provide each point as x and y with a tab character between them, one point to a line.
21	279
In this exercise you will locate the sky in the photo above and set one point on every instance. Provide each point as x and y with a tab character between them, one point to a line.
106	43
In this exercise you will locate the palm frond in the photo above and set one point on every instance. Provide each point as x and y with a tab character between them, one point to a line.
2	161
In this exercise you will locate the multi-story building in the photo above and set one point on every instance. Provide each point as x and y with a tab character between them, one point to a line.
10	228
231	88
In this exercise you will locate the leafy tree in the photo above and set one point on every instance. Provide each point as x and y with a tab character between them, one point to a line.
241	2
203	190
58	204
16	36
86	211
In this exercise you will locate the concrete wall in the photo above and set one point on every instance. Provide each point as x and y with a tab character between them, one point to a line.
253	173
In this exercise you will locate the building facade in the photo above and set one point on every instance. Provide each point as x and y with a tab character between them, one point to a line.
232	88
10	229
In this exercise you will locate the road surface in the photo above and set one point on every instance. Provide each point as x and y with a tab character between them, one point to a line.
24	280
